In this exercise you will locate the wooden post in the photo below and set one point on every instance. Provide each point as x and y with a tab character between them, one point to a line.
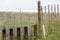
35	32
18	34
51	10
48	9
52	19
40	31
51	13
48	12
25	33
54	9
46	16
55	17
4	34
45	9
58	9
11	34
58	12
48	19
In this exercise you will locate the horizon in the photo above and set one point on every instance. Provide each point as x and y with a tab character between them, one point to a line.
19	5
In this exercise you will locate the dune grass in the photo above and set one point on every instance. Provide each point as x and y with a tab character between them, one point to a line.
53	32
23	22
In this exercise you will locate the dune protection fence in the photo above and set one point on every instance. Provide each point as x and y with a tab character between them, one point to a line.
18	32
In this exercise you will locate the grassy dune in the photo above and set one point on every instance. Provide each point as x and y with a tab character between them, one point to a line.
52	26
17	23
53	29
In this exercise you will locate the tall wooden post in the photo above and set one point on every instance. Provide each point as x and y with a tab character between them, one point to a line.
54	9
45	9
52	18
48	12
40	31
42	19
58	12
51	10
48	16
51	13
55	17
48	19
58	9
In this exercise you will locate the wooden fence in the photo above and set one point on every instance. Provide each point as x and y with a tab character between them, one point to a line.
33	32
50	17
15	32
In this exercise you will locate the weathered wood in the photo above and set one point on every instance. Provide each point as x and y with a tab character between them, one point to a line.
11	34
54	8
48	15
45	9
35	32
4	34
51	8
40	31
58	9
25	33
52	15
18	34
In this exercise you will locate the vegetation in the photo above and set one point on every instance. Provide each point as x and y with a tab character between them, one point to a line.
52	31
18	23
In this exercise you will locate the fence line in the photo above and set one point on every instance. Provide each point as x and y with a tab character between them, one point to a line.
20	32
15	32
50	18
